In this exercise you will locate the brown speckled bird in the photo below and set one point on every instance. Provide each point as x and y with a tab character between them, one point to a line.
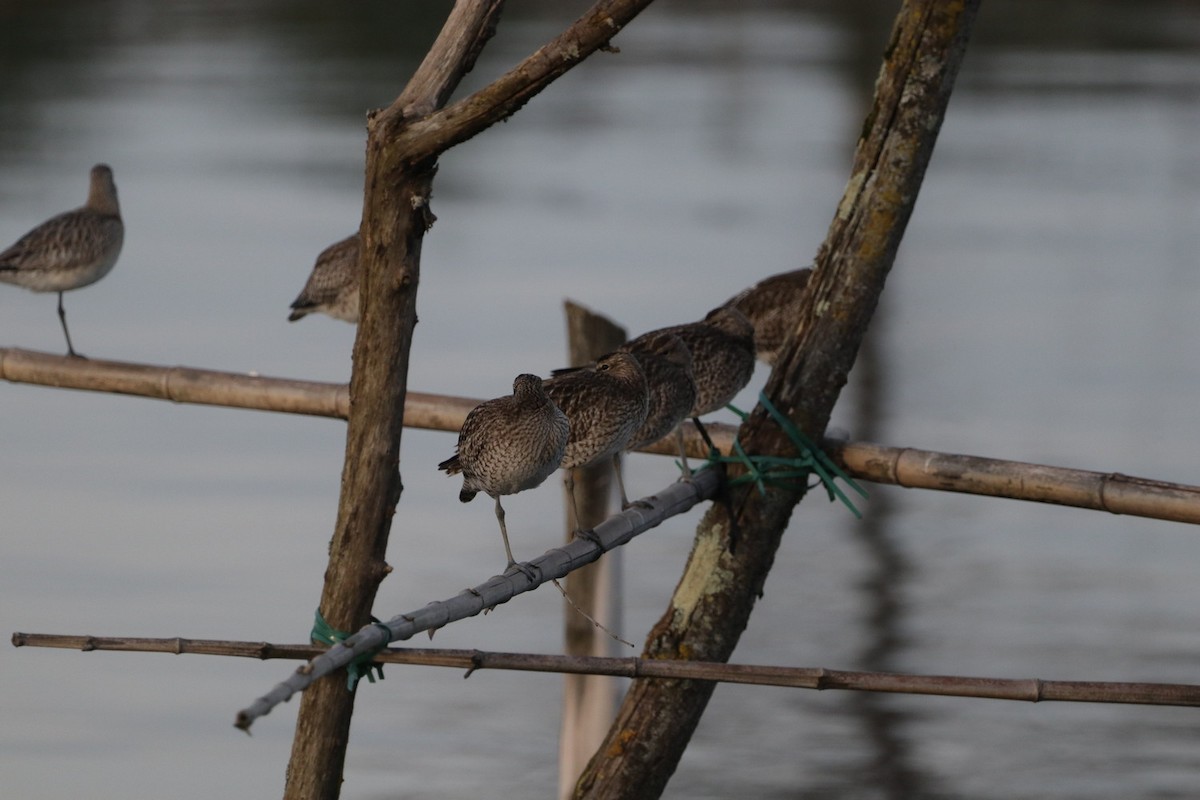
670	384
670	387
773	305
71	250
606	405
332	286
508	445
722	348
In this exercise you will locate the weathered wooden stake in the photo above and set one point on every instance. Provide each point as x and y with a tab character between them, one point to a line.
589	701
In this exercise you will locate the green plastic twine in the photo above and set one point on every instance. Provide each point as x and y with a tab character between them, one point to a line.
761	470
326	634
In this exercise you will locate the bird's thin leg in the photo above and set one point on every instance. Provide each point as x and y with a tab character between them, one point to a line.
62	317
687	470
712	448
569	482
504	532
625	503
620	481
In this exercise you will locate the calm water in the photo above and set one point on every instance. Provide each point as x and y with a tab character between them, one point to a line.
1043	308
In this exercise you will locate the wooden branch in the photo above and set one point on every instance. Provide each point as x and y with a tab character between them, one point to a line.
555	563
717	592
1033	690
902	466
395	217
424	138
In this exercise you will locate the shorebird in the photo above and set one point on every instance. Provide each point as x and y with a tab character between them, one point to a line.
606	405
508	445
332	286
670	387
722	347
772	305
670	384
722	354
71	250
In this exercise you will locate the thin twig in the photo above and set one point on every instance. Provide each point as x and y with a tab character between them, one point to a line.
1025	689
902	466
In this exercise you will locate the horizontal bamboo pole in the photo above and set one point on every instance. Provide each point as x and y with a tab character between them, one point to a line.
1025	689
902	466
1018	480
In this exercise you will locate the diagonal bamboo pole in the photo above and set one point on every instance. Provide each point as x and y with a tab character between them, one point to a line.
1032	690
902	466
613	532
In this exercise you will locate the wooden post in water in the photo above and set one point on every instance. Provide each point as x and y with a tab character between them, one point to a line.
589	701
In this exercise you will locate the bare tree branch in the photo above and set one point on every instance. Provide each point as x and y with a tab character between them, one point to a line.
712	604
395	217
402	149
431	134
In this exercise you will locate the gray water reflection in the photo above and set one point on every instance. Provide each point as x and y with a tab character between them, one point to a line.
1043	308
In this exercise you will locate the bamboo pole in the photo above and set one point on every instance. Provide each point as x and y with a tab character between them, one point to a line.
589	701
1033	690
518	579
901	466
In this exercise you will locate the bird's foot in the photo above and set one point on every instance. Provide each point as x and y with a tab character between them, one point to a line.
589	535
523	568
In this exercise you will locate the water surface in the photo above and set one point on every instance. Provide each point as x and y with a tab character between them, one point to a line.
1043	308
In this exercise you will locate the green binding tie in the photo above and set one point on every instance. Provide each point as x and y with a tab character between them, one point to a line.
762	470
326	634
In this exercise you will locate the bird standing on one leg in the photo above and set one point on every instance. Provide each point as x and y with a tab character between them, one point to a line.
332	286
606	405
71	250
508	445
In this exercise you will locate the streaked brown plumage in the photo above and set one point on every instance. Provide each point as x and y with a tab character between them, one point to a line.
670	385
605	405
508	445
670	388
332	286
70	250
722	348
773	305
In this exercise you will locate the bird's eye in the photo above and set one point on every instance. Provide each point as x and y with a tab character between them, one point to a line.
602	367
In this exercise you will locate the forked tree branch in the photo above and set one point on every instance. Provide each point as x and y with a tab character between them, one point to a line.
400	169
